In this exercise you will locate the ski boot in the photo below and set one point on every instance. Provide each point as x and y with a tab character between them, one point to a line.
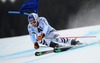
74	42
55	45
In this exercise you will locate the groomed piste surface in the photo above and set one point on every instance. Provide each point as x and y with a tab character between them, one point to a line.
20	49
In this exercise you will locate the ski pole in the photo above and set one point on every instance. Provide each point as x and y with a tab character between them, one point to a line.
17	12
79	37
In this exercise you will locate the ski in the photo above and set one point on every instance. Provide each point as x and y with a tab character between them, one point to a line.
43	52
61	49
56	50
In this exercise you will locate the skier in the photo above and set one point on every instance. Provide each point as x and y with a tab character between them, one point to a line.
42	33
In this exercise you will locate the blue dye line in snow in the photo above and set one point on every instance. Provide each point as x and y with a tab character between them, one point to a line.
32	50
18	53
95	32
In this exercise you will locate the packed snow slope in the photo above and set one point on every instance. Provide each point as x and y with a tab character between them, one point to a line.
20	49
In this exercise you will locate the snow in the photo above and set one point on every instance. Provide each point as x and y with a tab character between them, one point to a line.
20	49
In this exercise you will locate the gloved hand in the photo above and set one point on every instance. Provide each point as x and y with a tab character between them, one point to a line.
40	36
36	45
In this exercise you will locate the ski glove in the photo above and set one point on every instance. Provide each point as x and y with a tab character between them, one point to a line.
40	36
36	45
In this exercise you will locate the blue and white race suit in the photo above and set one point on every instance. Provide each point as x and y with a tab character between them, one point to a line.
44	27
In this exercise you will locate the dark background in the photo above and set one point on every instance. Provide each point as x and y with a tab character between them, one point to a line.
57	12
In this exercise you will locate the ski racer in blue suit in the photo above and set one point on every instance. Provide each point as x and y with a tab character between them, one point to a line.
42	33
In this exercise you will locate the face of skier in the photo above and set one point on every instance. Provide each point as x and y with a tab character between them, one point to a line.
33	23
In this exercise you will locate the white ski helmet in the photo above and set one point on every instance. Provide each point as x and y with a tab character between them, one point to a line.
32	17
